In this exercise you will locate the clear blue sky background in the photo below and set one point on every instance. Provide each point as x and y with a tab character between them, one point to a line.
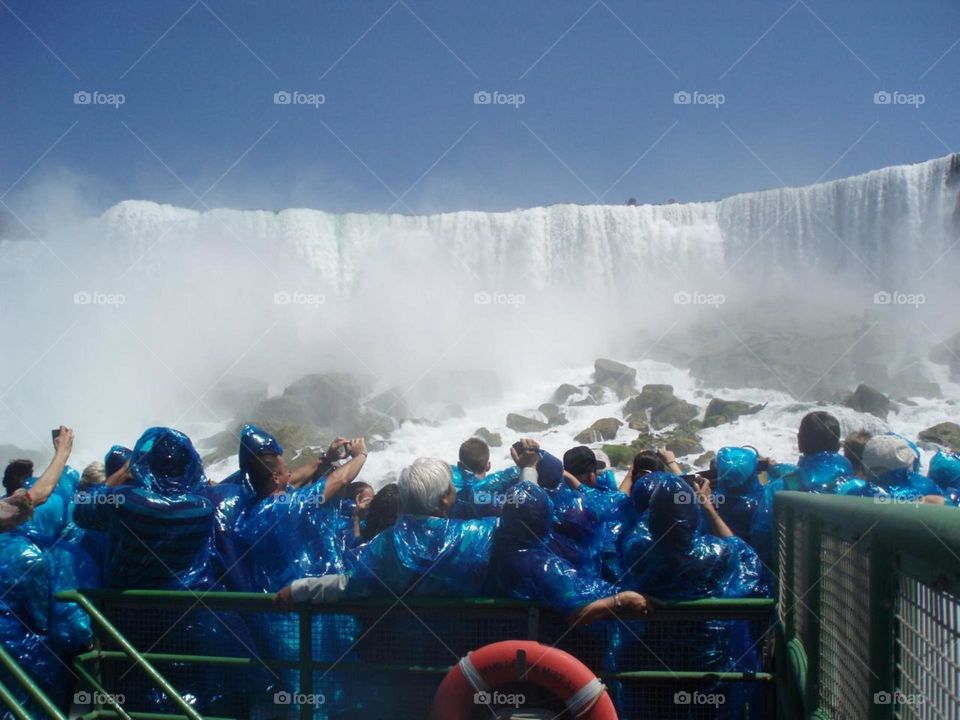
399	79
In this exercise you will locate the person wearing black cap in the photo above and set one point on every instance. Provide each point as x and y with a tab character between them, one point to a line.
581	464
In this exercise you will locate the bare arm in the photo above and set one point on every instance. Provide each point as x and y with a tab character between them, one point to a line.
346	473
623	604
319	467
627	485
120	477
45	484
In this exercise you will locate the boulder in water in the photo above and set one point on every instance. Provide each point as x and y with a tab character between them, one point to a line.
390	402
638	421
490	438
522	424
704	460
615	375
564	393
683	443
869	400
650	396
675	412
603	429
724	411
553	414
946	434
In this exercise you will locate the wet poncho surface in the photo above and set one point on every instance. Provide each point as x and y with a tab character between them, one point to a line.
430	555
945	472
525	567
160	528
481	497
738	492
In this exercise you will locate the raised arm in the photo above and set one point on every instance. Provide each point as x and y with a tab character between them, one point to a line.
346	473
43	487
704	493
318	468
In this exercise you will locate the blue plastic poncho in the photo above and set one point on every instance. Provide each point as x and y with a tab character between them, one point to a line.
481	497
25	623
524	566
160	528
945	472
637	540
116	457
738	490
51	519
439	556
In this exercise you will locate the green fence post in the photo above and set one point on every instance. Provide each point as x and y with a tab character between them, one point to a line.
883	598
811	606
306	663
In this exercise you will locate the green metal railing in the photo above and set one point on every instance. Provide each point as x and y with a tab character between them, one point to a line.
34	693
476	622
869	609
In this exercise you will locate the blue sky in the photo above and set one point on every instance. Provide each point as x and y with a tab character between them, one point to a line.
399	129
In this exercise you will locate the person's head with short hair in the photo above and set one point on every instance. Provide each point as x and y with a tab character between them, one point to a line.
426	488
361	494
582	464
269	474
819	432
884	454
16	474
647	461
475	456
383	511
93	474
853	445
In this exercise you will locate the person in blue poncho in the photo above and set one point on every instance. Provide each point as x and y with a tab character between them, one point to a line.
685	564
944	470
892	473
524	567
480	493
637	540
820	469
611	508
739	492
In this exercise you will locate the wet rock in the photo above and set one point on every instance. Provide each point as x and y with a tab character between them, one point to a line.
621	378
650	396
946	434
683	444
704	460
724	411
603	429
522	424
392	403
621	456
490	438
564	393
675	412
914	380
869	400
553	414
638	421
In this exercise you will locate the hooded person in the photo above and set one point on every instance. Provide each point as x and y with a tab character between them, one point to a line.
944	470
161	537
892	473
685	564
637	541
739	492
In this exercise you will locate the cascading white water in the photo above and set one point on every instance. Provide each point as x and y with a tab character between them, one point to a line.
214	293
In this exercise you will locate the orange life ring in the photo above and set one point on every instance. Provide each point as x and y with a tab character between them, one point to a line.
510	661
